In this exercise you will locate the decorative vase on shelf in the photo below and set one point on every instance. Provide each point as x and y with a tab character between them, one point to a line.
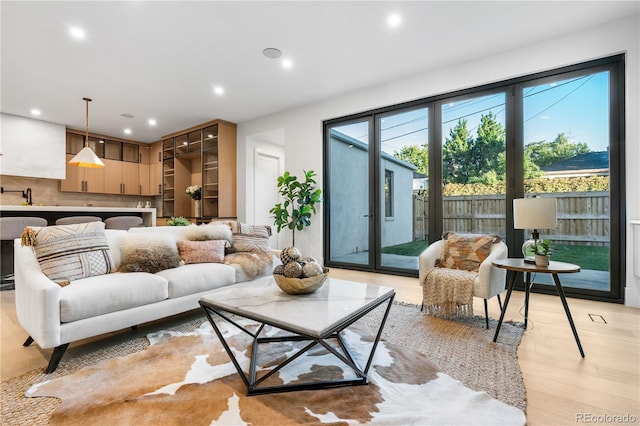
197	208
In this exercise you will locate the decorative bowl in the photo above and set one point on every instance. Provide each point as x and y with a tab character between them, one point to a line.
301	285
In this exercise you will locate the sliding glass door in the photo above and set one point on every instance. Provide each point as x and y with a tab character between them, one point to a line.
403	187
474	164
349	207
391	191
566	146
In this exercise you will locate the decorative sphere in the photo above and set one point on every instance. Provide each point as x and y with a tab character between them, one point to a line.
311	269
310	259
289	254
279	270
293	270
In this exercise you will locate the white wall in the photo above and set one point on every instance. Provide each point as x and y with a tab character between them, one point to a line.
32	148
303	126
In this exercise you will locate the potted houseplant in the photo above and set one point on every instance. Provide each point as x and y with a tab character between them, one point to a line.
178	221
300	198
543	251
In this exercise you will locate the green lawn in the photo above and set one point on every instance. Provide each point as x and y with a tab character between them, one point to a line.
587	257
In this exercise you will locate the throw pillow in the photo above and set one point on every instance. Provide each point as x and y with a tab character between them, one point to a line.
70	252
211	251
257	230
251	243
149	253
208	232
466	251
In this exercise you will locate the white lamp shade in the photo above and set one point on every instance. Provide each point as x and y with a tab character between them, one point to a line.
534	213
86	158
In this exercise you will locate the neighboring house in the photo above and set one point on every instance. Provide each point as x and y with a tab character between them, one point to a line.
420	183
589	164
350	234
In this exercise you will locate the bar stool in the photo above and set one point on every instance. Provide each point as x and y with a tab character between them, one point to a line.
77	219
10	229
123	222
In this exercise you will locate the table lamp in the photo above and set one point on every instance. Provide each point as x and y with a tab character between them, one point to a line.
533	213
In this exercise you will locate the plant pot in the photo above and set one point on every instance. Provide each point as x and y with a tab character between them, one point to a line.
542	260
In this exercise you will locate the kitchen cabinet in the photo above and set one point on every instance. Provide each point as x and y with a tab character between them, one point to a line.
121	177
82	179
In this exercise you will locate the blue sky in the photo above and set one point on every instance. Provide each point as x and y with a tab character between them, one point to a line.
577	107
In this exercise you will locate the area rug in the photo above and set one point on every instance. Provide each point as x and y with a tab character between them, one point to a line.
185	377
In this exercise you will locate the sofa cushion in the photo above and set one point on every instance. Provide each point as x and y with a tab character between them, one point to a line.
151	252
190	279
90	297
211	251
71	252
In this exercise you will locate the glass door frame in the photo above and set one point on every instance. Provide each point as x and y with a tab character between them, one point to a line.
370	265
514	168
617	236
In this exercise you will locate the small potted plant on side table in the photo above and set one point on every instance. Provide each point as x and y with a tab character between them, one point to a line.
543	251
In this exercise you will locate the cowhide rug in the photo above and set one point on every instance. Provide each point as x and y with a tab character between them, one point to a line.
187	378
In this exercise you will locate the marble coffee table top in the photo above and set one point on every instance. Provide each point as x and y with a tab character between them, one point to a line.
311	314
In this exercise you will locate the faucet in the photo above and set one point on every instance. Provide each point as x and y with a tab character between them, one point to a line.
25	194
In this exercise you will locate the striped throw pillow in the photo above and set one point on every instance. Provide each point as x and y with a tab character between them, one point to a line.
71	252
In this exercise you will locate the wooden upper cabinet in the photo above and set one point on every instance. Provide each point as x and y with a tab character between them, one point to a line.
81	179
155	169
121	177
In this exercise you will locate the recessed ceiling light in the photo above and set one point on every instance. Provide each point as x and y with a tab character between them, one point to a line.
77	33
394	20
125	115
35	111
152	122
272	53
287	63
218	90
127	131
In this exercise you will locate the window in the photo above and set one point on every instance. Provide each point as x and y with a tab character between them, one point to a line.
493	144
388	194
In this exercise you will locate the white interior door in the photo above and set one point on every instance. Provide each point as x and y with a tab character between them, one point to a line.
267	168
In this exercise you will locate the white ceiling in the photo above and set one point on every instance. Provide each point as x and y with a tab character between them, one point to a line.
162	59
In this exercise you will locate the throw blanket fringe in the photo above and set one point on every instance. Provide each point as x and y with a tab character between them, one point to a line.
28	237
448	292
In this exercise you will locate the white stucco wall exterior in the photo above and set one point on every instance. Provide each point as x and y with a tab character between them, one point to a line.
303	126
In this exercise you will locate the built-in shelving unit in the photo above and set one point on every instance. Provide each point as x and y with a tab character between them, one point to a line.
204	155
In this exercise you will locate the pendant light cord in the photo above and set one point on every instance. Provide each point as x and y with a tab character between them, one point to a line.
86	122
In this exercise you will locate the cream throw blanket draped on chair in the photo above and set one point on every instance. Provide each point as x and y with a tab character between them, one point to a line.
448	292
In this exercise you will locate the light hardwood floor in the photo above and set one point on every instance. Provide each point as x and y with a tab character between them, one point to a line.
562	388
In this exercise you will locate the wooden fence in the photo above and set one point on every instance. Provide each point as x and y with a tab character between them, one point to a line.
583	217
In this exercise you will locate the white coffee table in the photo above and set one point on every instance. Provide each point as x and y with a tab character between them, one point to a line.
318	318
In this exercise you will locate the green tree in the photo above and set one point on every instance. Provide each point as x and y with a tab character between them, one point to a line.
456	154
418	156
543	153
486	151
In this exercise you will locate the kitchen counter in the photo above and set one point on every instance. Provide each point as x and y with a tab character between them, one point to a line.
51	213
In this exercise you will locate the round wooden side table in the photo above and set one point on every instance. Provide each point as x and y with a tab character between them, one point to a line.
513	266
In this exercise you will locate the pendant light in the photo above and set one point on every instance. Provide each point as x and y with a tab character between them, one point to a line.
86	157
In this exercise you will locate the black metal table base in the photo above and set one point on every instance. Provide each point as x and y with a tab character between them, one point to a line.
511	279
257	386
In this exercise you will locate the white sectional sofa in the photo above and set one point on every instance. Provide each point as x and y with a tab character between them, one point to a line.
55	315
